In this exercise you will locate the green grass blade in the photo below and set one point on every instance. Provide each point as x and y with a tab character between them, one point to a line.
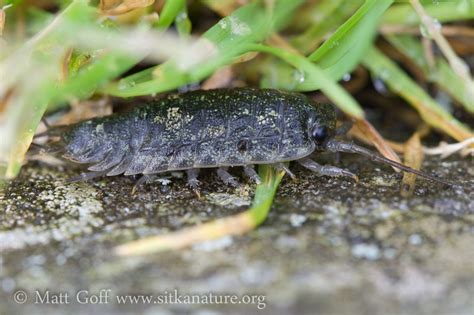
264	193
342	52
169	13
249	24
34	92
400	83
315	76
443	11
329	14
441	74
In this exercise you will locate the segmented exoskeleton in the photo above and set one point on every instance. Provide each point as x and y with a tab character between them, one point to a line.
206	129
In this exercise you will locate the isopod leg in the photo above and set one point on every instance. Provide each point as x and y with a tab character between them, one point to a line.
86	176
192	174
193	182
141	181
252	174
326	170
283	167
226	177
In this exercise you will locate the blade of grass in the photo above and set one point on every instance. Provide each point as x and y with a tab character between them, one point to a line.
400	83
169	13
233	225
443	11
357	133
33	92
459	67
340	54
350	41
316	76
183	23
3	17
413	157
377	140
222	7
465	148
125	6
329	14
442	74
249	24
30	97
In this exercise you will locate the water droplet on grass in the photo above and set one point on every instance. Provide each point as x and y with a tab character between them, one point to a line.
424	31
238	27
298	76
334	44
380	86
181	17
222	24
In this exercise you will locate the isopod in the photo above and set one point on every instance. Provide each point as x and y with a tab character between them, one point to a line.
212	129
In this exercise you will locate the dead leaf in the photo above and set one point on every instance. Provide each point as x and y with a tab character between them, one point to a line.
221	78
224	7
413	158
245	57
2	21
444	149
118	7
359	135
377	140
3	18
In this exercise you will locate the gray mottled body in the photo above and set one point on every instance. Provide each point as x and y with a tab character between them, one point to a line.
217	128
200	129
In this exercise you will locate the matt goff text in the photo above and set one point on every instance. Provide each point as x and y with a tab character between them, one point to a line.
106	296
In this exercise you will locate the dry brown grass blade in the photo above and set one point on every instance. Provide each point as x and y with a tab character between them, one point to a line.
454	130
376	139
220	79
359	135
234	225
224	7
118	7
4	100
65	64
2	20
444	149
413	158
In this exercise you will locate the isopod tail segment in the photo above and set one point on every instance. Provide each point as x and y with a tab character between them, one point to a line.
339	146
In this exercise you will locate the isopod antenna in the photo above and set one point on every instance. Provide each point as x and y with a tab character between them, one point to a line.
339	146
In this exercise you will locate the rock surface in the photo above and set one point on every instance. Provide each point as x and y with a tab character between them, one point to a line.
329	246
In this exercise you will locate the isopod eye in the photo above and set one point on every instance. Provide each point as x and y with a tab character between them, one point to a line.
320	134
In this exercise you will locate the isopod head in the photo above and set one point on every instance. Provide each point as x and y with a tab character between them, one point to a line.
322	125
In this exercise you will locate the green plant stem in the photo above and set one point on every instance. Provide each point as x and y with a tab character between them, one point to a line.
399	82
313	75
